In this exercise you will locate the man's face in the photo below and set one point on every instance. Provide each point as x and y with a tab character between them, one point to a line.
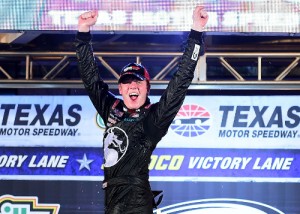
133	91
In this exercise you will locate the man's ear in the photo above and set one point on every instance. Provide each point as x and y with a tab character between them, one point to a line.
120	89
148	87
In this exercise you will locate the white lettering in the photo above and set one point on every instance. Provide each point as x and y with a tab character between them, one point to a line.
54	161
219	162
273	164
12	160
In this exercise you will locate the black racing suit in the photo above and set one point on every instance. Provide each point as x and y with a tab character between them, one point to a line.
131	136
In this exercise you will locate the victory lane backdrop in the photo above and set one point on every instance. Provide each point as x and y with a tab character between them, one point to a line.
167	164
42	162
235	147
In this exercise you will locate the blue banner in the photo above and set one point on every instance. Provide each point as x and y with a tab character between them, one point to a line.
167	164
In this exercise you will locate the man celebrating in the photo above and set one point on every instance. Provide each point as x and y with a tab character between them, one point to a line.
134	126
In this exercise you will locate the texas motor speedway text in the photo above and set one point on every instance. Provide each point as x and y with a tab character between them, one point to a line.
38	132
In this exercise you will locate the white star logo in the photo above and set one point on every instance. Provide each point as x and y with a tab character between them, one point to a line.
84	163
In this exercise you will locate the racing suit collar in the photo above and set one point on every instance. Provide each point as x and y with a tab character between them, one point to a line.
147	102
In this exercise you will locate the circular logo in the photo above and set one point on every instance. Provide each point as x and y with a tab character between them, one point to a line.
219	206
191	121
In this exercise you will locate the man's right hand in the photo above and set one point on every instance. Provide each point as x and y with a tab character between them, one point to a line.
86	20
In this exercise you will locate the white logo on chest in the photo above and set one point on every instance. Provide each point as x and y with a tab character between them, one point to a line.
115	145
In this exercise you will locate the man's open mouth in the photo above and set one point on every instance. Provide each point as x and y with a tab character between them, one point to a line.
133	96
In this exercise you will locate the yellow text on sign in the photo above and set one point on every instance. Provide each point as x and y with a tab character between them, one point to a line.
166	162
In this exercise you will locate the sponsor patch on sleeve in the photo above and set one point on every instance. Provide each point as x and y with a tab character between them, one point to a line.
195	52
